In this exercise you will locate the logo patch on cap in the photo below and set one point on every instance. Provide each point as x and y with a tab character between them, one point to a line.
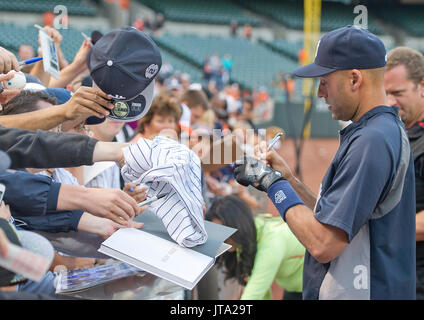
316	51
151	70
121	109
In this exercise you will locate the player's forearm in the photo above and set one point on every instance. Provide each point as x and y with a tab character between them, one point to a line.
303	192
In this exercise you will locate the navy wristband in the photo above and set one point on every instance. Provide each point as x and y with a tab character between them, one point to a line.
283	196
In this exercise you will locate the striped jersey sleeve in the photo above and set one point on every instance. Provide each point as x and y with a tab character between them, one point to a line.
170	168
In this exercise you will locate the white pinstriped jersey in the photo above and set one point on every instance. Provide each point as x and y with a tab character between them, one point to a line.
169	167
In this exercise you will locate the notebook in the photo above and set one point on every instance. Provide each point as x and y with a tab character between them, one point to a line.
152	249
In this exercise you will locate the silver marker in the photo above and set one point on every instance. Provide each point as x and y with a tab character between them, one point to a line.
86	38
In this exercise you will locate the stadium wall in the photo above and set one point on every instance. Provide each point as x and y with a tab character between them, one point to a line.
290	118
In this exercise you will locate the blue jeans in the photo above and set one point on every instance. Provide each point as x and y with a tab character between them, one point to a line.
45	286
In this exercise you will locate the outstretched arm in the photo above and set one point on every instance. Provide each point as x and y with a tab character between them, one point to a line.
324	242
84	102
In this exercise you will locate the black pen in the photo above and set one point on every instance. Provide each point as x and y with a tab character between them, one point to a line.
152	199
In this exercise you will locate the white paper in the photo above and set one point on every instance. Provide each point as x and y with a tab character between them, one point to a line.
90	172
168	257
50	59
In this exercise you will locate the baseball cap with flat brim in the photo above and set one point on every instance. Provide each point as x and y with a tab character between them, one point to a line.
346	48
123	63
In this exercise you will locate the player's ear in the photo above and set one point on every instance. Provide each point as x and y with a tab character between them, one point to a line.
356	78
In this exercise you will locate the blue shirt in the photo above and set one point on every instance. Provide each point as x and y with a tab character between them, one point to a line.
363	194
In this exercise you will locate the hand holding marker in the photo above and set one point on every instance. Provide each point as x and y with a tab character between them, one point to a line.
18	81
274	140
87	38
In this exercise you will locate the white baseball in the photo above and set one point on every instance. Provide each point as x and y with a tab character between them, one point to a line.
17	82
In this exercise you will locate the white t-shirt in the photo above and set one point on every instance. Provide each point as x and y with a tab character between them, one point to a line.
186	116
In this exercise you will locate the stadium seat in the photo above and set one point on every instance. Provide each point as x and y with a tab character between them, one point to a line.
407	17
201	11
290	13
288	48
253	64
75	7
181	66
12	36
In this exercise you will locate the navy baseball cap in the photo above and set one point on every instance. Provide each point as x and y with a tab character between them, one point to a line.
123	63
95	36
350	47
62	95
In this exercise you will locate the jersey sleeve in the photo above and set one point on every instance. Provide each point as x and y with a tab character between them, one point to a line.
63	150
360	181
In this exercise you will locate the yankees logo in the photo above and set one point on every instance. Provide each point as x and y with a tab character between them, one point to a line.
151	70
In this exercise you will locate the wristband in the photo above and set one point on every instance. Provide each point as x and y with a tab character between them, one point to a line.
283	196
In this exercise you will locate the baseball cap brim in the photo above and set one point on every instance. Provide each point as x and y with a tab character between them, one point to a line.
312	70
148	94
92	120
4	161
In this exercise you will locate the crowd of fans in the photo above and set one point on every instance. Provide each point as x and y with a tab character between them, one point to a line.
187	111
73	173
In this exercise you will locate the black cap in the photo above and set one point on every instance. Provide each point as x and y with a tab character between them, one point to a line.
95	36
124	63
88	82
350	47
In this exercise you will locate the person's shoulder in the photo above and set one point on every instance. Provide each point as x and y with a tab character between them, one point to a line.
383	127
